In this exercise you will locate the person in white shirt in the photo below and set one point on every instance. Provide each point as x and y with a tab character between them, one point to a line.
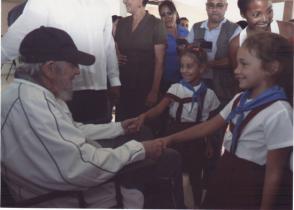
89	24
44	149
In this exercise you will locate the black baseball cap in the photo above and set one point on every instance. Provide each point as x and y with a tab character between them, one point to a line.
47	43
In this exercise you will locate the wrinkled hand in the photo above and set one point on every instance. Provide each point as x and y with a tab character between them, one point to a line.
114	94
151	99
165	141
129	125
153	149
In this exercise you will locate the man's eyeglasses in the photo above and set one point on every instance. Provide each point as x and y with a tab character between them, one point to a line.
164	14
215	6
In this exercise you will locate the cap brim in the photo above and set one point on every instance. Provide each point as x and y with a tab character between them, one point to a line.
84	58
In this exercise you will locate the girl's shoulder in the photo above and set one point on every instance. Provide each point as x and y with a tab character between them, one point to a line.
235	41
179	90
210	93
281	105
174	87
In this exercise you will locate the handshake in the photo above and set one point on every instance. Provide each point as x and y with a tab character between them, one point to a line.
153	148
133	125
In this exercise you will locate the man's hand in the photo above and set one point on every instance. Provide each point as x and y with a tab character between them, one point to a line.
151	99
122	59
129	125
114	94
165	141
153	149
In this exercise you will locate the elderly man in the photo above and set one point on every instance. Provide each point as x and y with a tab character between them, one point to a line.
44	150
214	35
89	24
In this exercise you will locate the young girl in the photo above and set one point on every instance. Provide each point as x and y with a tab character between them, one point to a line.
259	135
189	103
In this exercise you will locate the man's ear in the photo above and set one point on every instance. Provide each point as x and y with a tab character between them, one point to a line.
48	69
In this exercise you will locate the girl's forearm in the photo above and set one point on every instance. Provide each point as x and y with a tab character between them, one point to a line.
198	131
275	166
270	190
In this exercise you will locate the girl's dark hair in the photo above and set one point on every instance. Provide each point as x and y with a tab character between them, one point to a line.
197	52
269	47
243	5
171	6
145	2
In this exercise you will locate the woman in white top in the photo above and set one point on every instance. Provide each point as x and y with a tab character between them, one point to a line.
259	16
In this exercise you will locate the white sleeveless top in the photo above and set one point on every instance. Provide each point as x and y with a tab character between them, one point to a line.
274	29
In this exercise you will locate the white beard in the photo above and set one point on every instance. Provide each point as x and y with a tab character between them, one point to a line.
65	95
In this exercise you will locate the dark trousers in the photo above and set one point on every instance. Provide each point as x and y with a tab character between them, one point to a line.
194	160
238	184
90	106
159	180
193	156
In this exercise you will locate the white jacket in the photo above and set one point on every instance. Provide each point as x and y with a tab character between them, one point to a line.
89	24
43	149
